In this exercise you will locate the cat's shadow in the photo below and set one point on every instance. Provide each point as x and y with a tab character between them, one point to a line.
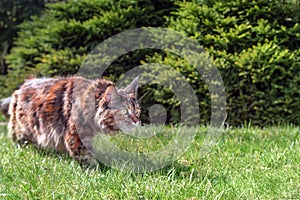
176	170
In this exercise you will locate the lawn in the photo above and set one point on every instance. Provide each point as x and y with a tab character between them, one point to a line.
247	163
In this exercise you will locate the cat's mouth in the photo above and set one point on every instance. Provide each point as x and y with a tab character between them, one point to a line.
127	124
127	128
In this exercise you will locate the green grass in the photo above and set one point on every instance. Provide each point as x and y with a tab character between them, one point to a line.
247	163
2	118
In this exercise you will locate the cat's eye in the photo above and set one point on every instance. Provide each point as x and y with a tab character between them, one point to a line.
124	112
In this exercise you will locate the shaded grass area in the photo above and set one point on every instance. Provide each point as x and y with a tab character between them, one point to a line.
247	163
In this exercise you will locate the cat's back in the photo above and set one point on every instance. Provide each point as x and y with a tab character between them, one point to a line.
44	96
47	87
47	84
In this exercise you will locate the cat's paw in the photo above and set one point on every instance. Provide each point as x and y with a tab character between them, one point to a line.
88	162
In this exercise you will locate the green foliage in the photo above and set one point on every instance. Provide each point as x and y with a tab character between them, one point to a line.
255	46
12	13
57	42
2	118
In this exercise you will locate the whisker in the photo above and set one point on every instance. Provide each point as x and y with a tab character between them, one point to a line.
140	99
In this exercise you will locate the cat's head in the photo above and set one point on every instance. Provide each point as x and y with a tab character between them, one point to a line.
121	110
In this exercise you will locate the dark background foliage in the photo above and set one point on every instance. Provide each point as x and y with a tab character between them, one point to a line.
254	44
13	13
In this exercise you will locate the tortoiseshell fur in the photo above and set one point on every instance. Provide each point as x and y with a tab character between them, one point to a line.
61	113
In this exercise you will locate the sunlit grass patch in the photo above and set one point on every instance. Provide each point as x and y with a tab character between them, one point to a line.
247	163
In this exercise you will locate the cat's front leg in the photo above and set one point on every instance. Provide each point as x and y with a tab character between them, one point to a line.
77	150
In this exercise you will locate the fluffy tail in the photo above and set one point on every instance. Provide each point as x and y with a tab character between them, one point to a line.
4	105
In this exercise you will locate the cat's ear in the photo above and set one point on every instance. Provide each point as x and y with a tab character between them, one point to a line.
132	88
111	94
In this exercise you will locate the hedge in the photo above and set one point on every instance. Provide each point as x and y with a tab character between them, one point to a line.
254	44
57	42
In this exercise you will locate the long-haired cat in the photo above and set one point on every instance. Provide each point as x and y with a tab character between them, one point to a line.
60	113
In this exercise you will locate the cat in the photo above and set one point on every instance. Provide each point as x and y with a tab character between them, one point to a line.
61	113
